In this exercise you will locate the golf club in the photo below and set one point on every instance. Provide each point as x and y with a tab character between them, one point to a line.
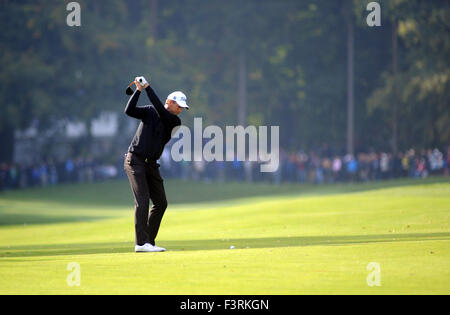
129	90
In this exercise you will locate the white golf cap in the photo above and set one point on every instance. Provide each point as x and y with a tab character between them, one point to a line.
180	98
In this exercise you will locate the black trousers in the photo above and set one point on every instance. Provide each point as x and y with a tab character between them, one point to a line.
147	184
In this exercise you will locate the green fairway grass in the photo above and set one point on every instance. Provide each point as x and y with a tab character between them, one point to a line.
288	239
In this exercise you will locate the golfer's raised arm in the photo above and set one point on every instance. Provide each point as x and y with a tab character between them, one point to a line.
167	118
132	110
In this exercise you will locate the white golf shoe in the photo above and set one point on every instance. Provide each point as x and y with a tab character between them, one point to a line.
160	249
148	248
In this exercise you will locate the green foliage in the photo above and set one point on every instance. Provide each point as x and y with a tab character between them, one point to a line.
421	88
295	60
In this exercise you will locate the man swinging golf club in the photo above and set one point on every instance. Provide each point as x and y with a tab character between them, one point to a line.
153	133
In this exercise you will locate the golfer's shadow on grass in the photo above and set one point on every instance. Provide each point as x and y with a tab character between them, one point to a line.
214	244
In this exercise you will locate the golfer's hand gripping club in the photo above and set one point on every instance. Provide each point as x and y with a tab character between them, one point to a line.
140	83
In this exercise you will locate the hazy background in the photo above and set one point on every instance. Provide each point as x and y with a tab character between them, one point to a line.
334	85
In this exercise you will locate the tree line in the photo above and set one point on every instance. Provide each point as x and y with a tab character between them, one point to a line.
314	68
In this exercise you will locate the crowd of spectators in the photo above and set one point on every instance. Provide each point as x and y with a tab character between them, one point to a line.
364	167
300	167
48	173
318	167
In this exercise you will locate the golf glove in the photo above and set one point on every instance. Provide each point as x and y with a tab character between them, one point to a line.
142	81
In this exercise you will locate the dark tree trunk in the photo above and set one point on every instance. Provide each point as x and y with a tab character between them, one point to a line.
350	85
242	89
6	143
396	97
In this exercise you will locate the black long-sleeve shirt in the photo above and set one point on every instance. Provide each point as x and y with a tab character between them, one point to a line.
156	126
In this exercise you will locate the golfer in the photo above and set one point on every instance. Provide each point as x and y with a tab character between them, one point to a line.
153	133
